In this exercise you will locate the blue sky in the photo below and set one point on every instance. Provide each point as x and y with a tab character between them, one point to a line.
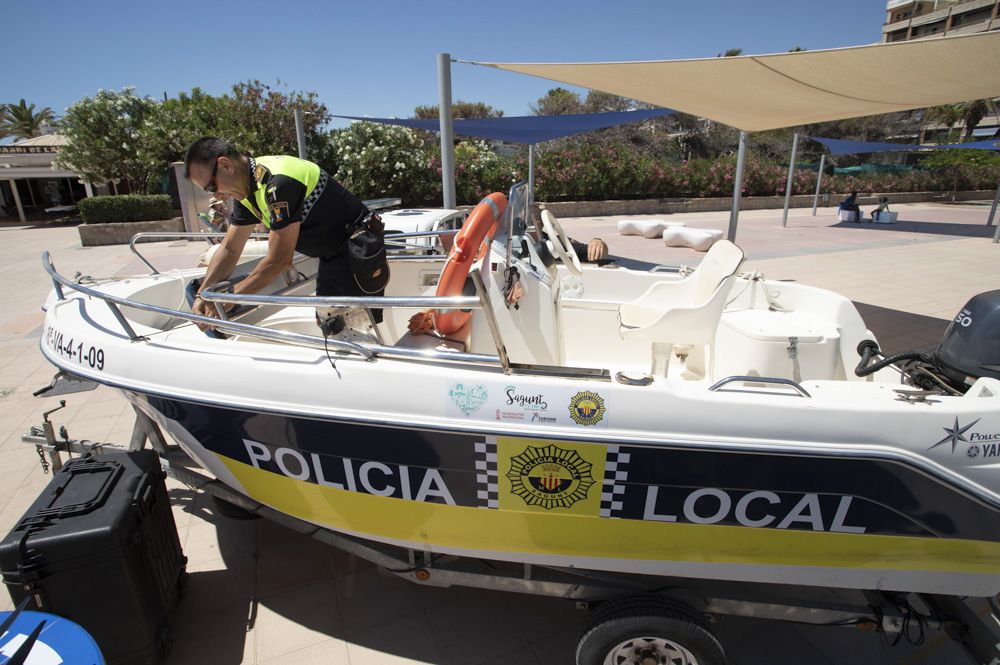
379	58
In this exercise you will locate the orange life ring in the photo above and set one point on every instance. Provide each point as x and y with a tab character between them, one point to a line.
469	246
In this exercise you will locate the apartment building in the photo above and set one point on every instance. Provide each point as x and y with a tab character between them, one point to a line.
918	19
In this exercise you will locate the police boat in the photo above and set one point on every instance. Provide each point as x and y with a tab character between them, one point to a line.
706	424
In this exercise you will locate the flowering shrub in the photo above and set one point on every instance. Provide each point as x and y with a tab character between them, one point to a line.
475	171
591	172
377	160
104	135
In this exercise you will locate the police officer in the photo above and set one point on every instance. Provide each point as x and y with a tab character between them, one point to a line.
304	209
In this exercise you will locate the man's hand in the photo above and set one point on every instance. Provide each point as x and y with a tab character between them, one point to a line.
208	309
596	250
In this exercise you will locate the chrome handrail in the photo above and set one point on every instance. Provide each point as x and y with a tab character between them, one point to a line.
391	238
377	302
181	235
382	204
166	235
366	351
761	379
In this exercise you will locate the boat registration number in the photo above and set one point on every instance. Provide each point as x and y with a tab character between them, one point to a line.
84	354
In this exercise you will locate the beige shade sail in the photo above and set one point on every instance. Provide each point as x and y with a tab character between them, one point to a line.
760	92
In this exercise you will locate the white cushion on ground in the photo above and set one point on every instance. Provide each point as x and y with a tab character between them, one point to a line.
886	217
647	228
847	215
697	239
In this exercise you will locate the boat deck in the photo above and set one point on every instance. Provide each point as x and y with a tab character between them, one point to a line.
260	593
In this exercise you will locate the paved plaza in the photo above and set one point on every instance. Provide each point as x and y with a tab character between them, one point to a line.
262	594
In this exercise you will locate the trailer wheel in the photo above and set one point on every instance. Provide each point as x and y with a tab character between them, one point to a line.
648	630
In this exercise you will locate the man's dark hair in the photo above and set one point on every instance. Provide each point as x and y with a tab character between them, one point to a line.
206	149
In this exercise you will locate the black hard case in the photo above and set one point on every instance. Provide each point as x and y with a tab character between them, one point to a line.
99	546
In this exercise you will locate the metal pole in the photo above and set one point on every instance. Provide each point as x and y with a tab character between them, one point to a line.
819	180
791	175
300	134
447	130
734	214
17	200
993	210
531	173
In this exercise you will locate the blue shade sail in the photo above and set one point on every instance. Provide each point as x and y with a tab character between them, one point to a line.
528	129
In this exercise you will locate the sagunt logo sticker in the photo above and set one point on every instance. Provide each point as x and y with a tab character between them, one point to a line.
518	405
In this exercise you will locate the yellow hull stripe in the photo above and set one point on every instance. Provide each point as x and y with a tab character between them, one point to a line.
561	535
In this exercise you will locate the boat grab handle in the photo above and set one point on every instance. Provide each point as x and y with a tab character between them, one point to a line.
761	379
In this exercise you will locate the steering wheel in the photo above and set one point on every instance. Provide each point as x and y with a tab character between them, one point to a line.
559	244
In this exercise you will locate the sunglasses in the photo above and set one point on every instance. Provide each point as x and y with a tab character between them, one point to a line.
211	186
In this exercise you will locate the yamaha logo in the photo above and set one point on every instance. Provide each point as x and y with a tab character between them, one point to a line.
550	477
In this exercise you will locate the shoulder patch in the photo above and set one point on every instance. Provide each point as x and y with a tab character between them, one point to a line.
279	211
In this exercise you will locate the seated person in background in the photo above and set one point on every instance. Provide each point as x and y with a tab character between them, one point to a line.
851	203
883	206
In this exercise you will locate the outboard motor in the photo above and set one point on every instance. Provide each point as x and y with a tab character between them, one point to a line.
971	345
969	350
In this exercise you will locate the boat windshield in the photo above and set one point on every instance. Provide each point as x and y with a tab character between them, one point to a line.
514	222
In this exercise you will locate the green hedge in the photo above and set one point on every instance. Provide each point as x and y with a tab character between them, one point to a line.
125	208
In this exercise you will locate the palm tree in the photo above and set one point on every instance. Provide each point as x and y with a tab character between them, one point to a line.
21	121
4	118
972	112
947	115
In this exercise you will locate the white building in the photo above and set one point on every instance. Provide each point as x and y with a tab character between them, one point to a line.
28	180
917	19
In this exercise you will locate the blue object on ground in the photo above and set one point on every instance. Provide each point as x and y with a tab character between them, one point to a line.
53	640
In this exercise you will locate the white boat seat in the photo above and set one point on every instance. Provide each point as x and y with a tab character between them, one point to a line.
685	311
757	342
